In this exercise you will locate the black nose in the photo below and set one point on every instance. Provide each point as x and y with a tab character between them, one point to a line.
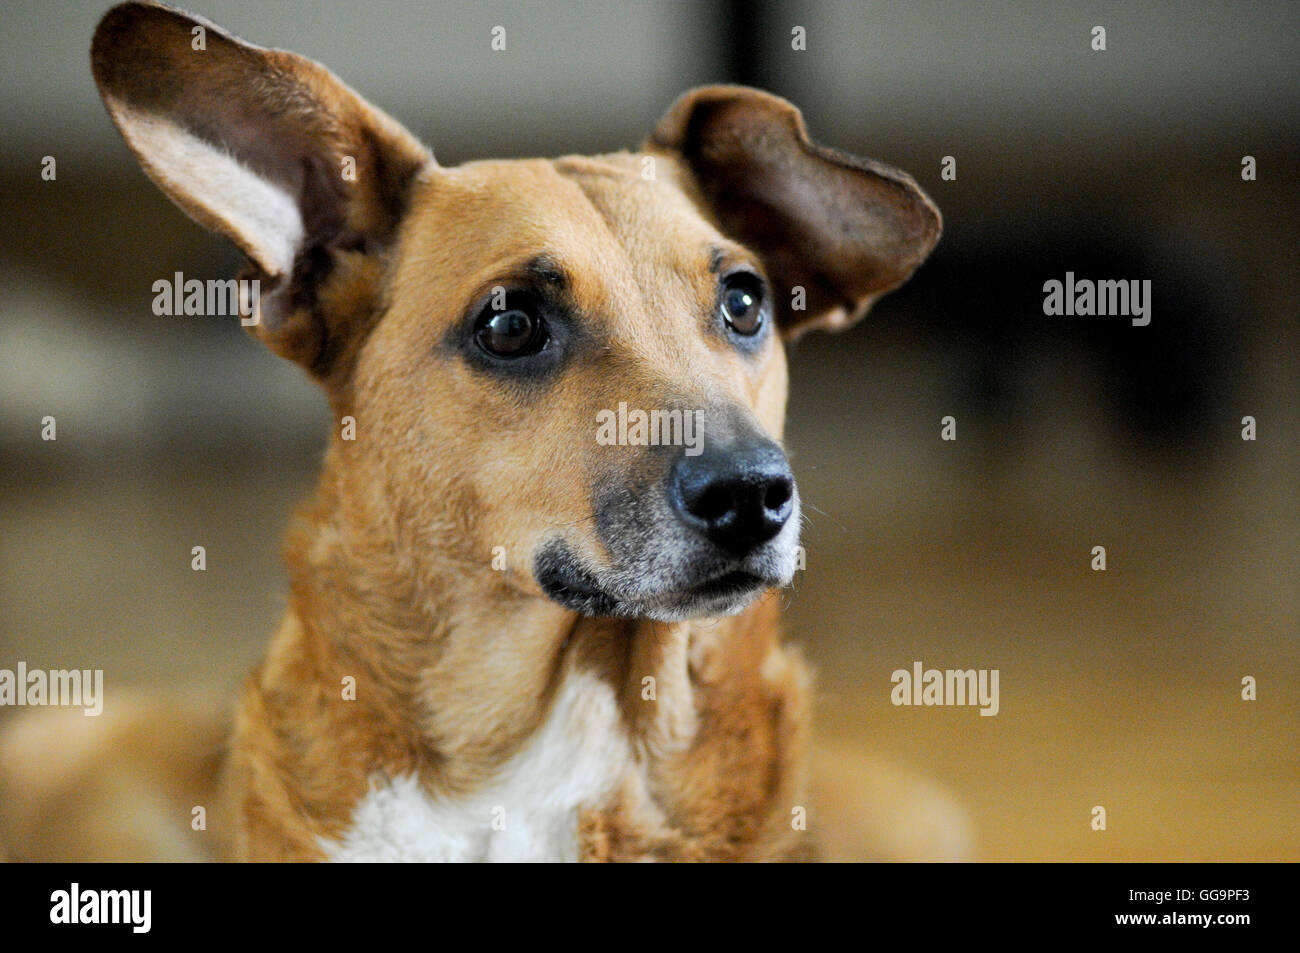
739	497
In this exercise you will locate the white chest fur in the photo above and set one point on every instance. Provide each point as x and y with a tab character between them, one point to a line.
529	812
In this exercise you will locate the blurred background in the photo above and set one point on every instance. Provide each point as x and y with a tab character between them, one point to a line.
1118	688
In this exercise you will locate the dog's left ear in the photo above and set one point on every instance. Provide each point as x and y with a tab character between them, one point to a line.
845	230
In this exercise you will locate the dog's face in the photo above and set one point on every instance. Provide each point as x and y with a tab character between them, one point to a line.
571	371
603	365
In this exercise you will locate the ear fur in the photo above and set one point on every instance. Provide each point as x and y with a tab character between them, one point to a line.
844	229
265	147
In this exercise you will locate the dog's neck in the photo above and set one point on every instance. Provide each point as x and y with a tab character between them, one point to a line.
461	663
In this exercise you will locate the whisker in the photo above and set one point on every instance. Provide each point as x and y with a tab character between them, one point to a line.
822	512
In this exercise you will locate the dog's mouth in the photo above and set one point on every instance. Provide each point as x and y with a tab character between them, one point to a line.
575	587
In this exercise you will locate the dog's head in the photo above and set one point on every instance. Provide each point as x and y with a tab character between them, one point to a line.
570	371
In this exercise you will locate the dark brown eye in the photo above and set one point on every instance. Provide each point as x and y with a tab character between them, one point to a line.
742	303
517	330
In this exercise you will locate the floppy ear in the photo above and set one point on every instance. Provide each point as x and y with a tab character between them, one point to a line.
271	150
844	229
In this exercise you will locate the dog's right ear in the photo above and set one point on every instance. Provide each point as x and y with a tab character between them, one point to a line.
267	148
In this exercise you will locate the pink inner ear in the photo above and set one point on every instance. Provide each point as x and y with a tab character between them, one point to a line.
216	189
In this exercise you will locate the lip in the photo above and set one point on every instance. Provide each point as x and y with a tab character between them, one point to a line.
580	595
585	596
730	583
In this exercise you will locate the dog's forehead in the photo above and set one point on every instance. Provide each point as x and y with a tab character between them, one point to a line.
615	225
642	203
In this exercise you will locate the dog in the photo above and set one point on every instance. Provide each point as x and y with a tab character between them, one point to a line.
525	623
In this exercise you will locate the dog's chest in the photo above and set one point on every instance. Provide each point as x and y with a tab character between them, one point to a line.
529	812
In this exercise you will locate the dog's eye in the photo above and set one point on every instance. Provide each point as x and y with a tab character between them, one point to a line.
514	331
742	303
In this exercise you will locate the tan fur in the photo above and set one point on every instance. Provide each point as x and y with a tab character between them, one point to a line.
457	664
121	786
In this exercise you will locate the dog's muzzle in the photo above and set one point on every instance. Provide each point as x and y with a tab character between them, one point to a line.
704	540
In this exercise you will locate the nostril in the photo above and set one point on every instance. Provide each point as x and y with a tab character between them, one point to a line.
713	504
737	497
778	494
